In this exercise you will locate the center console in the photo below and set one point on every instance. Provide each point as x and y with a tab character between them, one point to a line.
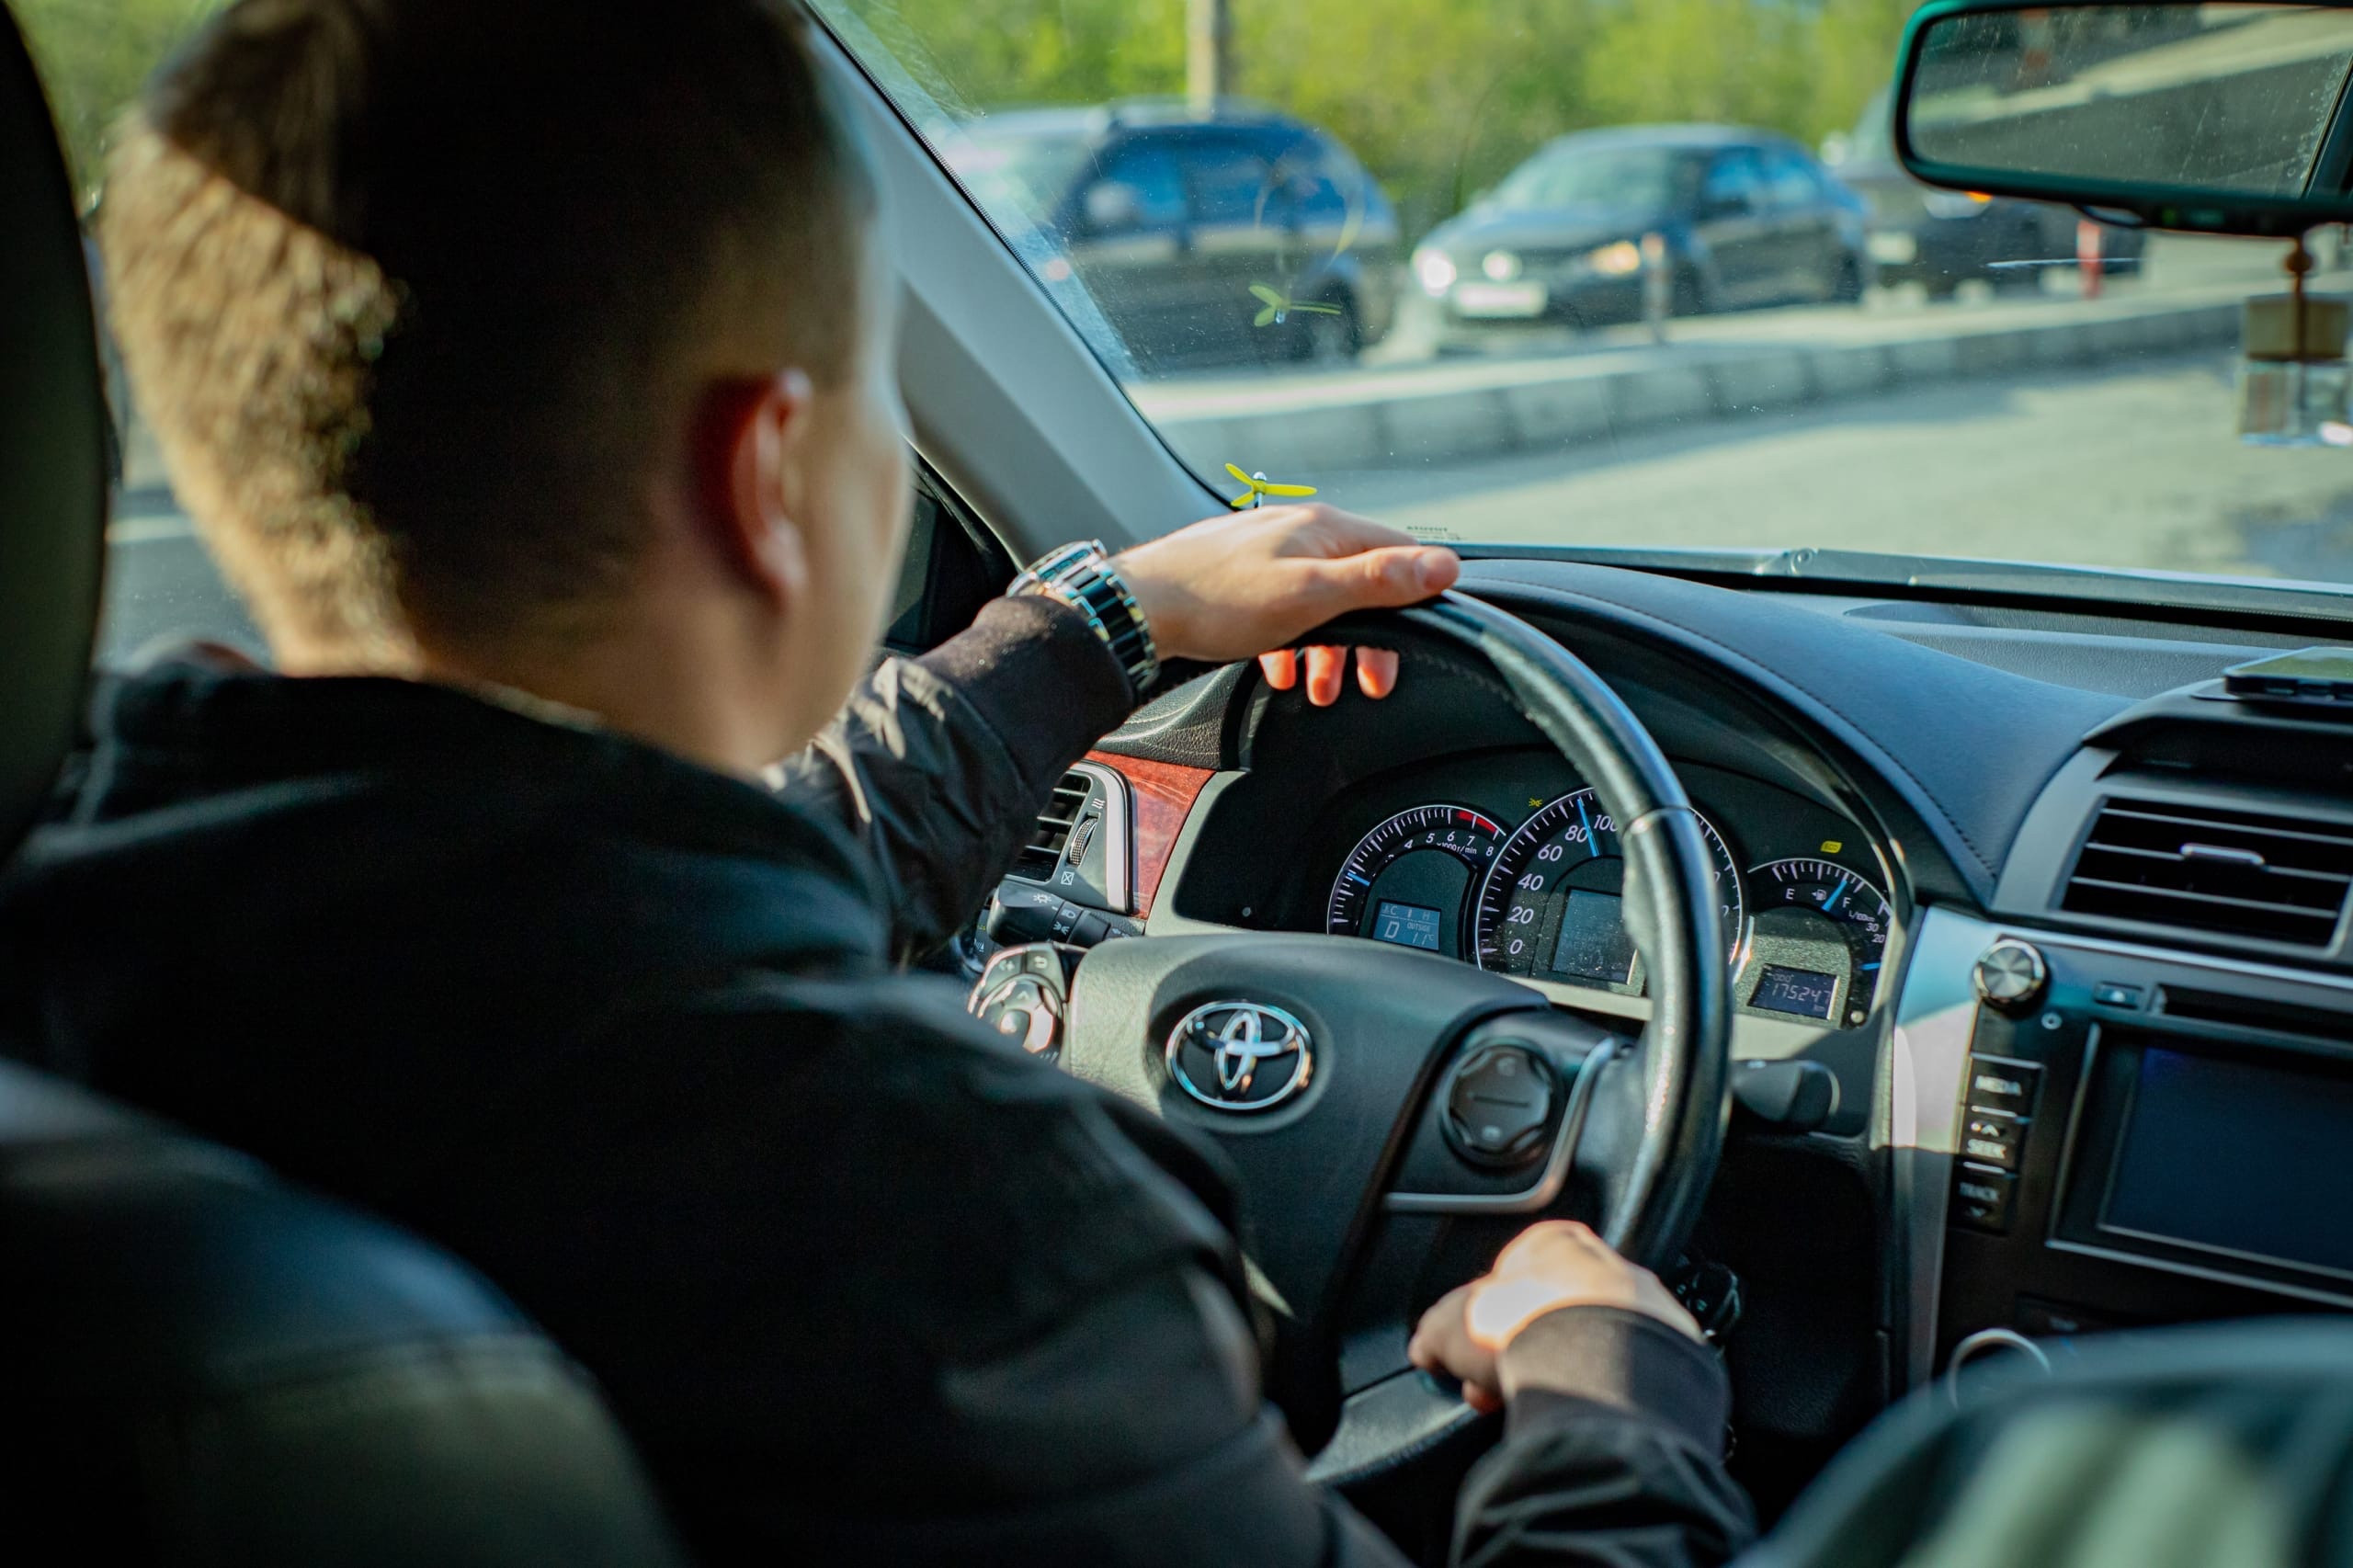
2139	1136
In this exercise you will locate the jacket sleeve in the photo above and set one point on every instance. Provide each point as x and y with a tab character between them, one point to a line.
938	765
1610	1454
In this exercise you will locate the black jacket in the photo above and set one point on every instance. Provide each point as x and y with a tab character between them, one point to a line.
864	1284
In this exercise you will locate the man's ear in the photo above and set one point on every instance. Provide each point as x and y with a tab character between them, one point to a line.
755	482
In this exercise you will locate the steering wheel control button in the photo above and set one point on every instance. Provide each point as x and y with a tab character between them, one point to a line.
1026	1011
1240	1056
1499	1102
2002	1086
2011	975
1981	1198
1023	993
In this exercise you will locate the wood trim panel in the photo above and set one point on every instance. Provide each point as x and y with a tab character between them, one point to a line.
1165	793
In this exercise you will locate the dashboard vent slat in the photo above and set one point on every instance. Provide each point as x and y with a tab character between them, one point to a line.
2212	869
1040	857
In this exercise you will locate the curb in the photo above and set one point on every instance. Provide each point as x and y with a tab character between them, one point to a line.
1338	428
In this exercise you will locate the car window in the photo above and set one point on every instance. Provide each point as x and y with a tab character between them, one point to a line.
1428	205
1627	178
1232	183
1790	179
1142	188
1736	182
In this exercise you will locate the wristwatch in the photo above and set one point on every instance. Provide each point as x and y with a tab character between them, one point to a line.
1083	576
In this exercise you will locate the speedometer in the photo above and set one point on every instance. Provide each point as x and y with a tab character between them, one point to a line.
1410	879
1552	907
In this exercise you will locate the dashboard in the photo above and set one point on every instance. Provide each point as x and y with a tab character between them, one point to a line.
2070	933
1507	860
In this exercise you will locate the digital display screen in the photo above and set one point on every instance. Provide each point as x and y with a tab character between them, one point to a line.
2239	1157
1594	944
1801	991
1407	924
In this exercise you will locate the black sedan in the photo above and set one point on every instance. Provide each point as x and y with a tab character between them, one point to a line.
1737	217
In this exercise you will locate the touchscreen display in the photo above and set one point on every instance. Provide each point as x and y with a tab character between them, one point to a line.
2238	1157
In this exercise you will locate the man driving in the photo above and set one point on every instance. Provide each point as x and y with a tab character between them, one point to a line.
528	367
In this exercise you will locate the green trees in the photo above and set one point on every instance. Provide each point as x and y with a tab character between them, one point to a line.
92	56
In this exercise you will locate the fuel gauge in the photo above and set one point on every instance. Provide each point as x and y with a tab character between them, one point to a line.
1821	937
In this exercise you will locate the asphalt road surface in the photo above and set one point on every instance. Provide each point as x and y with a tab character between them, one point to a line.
2130	465
2135	464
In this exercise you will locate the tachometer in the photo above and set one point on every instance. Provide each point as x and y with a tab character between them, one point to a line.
1552	909
1410	879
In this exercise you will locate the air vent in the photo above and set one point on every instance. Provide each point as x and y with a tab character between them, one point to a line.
1044	851
2207	869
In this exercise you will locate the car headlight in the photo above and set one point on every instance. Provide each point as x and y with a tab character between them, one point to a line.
1436	270
1502	266
1621	259
1955	203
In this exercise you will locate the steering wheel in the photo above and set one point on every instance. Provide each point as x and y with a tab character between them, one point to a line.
1377	1101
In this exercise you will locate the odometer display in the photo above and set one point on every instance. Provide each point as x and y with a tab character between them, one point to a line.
1552	906
1411	879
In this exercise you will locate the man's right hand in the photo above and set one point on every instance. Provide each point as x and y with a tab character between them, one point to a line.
1557	1264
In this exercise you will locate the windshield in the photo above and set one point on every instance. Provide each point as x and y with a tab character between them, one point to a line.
1642	178
1602	293
1018	172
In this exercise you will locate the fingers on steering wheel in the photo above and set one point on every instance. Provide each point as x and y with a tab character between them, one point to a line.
1376	672
1326	666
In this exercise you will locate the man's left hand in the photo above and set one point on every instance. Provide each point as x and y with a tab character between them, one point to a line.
1250	582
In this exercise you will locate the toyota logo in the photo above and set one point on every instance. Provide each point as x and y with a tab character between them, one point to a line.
1239	1055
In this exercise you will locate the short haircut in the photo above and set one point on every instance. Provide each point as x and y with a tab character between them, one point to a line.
419	294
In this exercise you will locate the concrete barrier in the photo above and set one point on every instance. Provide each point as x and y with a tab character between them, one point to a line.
1449	410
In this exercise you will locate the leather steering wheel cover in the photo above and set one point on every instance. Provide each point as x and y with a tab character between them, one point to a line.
1685	1057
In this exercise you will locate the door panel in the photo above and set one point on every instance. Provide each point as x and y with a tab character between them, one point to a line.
1805	228
1737	226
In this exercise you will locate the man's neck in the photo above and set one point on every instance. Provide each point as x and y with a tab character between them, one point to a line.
649	694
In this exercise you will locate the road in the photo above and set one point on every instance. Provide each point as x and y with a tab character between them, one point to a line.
2131	465
2124	466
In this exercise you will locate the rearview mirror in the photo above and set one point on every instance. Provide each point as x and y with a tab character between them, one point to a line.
2229	118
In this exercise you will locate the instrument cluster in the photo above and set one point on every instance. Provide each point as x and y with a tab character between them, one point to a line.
1522	875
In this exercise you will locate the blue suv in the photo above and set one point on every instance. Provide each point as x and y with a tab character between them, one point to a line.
1238	235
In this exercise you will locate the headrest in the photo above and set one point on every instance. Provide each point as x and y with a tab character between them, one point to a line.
52	450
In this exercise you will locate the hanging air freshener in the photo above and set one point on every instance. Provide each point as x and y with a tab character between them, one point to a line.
2293	378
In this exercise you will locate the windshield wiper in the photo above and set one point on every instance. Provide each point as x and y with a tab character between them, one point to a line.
1935	575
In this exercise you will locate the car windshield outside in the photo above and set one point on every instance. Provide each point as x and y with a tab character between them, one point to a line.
1586	274
1624	276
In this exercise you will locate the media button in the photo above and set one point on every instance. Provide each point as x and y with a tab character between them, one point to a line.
1997	1084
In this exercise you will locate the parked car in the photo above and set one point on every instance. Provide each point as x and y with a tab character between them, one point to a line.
1942	239
1746	217
1238	235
